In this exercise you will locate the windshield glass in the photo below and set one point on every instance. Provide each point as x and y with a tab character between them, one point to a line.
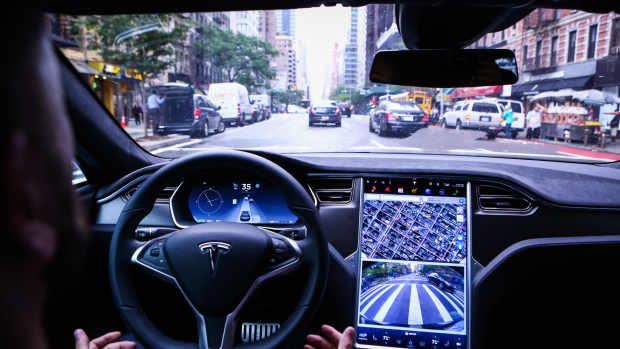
277	81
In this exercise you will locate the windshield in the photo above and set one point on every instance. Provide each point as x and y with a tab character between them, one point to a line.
277	81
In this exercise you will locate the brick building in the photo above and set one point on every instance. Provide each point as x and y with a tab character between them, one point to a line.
558	49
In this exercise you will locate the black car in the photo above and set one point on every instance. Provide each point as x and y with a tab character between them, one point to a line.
325	112
346	109
207	119
440	282
184	112
390	117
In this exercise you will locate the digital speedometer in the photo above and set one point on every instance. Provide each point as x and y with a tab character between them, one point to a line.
238	200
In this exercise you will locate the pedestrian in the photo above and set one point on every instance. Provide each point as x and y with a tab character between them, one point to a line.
137	113
153	104
509	118
613	124
533	123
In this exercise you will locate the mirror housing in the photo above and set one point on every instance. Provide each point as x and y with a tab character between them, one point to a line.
445	68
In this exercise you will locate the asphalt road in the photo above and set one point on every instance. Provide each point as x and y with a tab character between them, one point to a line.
410	301
291	133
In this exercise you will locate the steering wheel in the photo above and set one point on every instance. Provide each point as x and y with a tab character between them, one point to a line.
217	266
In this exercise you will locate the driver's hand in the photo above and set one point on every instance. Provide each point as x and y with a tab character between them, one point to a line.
331	339
107	341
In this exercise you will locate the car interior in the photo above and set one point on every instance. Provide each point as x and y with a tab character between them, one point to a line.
545	235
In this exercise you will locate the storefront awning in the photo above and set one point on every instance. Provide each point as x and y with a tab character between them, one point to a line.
535	87
466	92
83	67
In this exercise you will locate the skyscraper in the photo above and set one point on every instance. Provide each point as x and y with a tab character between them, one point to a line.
285	23
354	60
379	18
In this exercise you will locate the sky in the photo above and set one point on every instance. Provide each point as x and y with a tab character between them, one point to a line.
319	29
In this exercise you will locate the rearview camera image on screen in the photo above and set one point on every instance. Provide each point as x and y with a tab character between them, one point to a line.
412	294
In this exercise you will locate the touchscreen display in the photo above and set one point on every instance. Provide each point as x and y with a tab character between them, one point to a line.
412	290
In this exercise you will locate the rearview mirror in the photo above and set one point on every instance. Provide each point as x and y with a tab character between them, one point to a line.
445	68
218	107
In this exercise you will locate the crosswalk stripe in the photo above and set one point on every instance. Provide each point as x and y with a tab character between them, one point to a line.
445	315
372	301
374	291
456	299
415	312
444	295
388	304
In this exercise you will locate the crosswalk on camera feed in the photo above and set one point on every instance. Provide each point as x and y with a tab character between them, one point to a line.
413	295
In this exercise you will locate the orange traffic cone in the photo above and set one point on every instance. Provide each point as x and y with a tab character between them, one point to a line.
123	123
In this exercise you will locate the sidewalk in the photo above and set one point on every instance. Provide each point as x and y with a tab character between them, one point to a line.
609	148
151	142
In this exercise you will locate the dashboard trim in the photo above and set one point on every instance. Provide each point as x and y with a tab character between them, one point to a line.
174	219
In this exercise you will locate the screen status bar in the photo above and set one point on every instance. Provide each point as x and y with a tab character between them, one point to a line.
415	186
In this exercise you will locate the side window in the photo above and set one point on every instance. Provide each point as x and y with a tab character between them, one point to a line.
516	107
77	175
458	107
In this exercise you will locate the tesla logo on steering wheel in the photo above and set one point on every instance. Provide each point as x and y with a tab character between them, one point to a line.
214	249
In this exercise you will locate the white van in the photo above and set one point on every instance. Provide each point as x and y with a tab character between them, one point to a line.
518	114
481	114
233	98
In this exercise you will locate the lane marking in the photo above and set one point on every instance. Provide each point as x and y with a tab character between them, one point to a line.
388	304
176	146
445	315
444	295
386	147
375	299
531	155
415	311
456	299
377	143
373	292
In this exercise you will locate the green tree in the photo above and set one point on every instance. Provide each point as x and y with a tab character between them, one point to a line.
142	42
287	97
346	94
243	59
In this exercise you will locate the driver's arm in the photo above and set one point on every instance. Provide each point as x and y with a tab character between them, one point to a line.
107	341
331	339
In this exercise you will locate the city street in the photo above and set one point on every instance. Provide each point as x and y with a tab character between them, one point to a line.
291	133
411	301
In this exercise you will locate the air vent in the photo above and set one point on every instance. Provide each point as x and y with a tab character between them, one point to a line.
163	197
332	190
496	198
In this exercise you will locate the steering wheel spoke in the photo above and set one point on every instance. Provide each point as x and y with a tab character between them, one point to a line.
150	258
285	256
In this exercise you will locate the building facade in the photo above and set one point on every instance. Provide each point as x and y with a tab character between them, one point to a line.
379	19
558	49
354	66
245	22
285	23
286	67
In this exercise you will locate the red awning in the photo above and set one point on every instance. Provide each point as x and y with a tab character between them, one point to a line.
464	92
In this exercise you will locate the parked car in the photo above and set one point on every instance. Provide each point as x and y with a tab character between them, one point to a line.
178	108
264	100
234	100
439	282
324	112
207	119
390	117
480	114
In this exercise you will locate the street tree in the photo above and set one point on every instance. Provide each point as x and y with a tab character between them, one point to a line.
243	59
142	42
287	97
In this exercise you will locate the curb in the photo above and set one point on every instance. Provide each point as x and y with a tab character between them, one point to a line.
167	143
